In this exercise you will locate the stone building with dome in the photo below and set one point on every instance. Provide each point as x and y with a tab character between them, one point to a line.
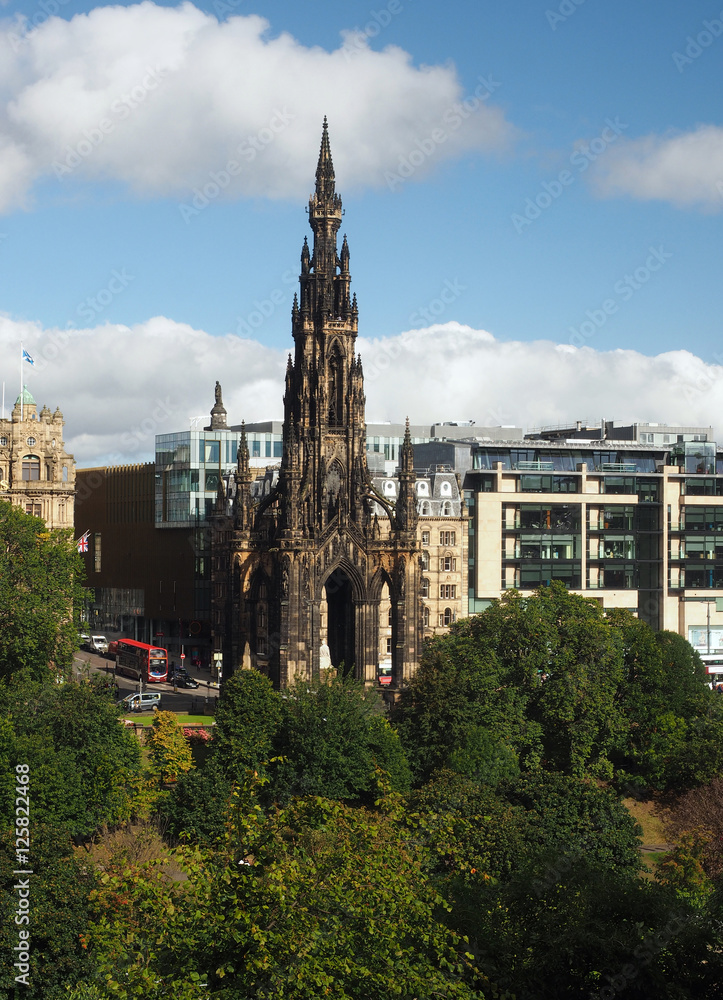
36	472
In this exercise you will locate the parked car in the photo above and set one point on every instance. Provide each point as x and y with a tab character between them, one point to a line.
141	702
184	681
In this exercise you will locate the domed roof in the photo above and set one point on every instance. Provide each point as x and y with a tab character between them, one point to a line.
25	397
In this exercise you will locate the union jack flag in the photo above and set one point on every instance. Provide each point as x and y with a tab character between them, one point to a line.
83	542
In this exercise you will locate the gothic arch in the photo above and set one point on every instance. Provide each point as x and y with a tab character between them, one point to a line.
377	583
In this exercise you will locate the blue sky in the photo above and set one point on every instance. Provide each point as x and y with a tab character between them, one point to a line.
533	198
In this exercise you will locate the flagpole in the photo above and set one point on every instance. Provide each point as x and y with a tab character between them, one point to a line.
21	381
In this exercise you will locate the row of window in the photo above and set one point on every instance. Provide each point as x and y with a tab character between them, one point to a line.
447	564
447	591
445	619
30	470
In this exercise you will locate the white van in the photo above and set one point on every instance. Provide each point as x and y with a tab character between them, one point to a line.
145	702
98	644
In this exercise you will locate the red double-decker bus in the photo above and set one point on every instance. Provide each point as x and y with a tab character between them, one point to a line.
139	660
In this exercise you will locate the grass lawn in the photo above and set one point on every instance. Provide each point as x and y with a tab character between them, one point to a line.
653	838
146	719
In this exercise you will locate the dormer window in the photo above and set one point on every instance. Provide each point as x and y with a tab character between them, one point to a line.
445	489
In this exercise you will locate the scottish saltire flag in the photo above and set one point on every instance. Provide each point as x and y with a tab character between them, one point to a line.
26	357
83	542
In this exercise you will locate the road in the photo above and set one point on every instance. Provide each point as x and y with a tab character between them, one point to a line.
191	700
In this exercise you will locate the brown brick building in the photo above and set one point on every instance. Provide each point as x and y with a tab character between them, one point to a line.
146	582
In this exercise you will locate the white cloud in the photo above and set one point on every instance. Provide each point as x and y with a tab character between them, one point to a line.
684	169
163	98
120	386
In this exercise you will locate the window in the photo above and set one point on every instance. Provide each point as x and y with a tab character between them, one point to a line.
447	538
31	468
448	564
425	508
422	489
34	508
390	618
425	588
448	591
445	489
425	538
424	560
3	441
31	442
278	449
213	452
389	646
96	552
426	617
255	449
446	618
447	508
65	473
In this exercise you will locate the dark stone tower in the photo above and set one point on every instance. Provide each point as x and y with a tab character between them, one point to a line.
307	564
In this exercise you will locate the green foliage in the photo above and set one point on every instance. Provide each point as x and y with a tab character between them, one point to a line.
330	740
682	869
247	720
59	915
472	833
568	816
197	804
317	899
40	595
531	680
82	761
169	750
552	681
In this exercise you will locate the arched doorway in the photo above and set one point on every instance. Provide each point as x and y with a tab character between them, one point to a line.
340	621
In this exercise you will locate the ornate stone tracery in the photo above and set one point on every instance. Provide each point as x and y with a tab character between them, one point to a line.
314	537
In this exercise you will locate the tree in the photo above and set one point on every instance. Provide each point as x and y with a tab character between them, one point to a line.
83	762
197	804
330	741
316	899
40	595
247	721
531	681
169	750
59	914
